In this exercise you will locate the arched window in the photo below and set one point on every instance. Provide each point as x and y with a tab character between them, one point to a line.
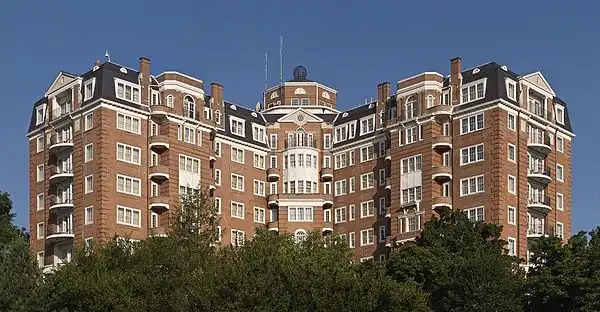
189	107
410	107
218	117
170	101
429	101
300	236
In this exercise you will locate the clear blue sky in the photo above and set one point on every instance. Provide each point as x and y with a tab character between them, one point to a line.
348	45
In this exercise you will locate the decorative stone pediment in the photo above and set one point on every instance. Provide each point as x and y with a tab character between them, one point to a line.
61	80
300	117
539	81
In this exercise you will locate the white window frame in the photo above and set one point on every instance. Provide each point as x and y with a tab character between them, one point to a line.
242	126
370	153
259	156
132	211
369	237
261	191
511	125
257	217
511	214
382	233
88	121
236	177
340	215
170	100
237	159
514	149
88	184
340	188
472	84
366	129
475	123
509	83
237	237
559	112
189	135
365	178
352	240
370	211
473	210
560	178
40	201
411	135
351	185
472	150
560	147
239	211
87	158
468	180
218	178
40	115
39	143
40	233
125	147
256	133
512	246
273	141
88	219
132	181
327	141
304	209
560	198
561	233
351	212
188	159
132	86
512	189
39	173
133	119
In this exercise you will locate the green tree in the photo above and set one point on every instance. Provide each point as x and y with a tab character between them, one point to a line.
462	265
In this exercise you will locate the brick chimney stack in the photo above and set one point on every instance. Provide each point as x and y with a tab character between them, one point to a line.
455	79
145	80
383	93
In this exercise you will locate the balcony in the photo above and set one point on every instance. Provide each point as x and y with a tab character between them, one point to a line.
441	173
159	142
161	110
406	237
158	203
326	174
327	227
273	226
64	110
539	142
441	202
60	143
440	110
159	231
540	174
272	200
327	200
60	233
535	230
388	183
273	174
61	173
59	203
388	155
441	143
158	173
539	202
389	241
294	143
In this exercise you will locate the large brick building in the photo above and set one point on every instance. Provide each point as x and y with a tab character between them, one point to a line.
112	149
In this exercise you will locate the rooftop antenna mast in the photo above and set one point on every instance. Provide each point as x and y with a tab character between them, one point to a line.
266	71
107	56
281	59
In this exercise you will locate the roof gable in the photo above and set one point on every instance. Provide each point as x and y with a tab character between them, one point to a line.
61	80
538	79
300	117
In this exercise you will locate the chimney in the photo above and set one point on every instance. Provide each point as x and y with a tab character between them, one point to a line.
455	79
97	63
383	92
216	91
144	80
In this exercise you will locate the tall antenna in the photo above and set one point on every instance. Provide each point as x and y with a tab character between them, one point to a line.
266	72
281	59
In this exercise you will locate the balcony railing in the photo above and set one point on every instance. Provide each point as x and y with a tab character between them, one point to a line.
535	230
62	200
290	143
539	169
540	111
61	111
61	229
59	139
62	169
538	138
539	199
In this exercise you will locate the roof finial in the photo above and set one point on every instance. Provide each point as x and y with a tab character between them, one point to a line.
107	56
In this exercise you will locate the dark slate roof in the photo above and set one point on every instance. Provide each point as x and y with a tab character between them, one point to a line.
355	114
567	125
245	114
32	125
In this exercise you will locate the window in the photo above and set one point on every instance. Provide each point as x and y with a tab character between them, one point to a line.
88	154
411	194
207	113
128	185
560	115
237	155
218	205
474	214
258	133
128	123
40	173
40	114
259	188
129	216
511	90
381	148
40	201
179	132
512	122
473	92
381	176
560	174
88	217
367	125
40	230
410	108
170	101
367	181
560	201
237	238
218	149
340	188
127	92
155	98
512	215
129	154
382	209
340	215
327	141
367	237
471	154
189	107
40	258
39	143
512	153
237	182
259	215
560	230
367	209
218	177
351	158
237	210
259	161
341	133
471	124
411	164
237	126
367	153
352	212
189	135
88	121
472	185
300	214
89	184
340	161
189	164
382	233
560	144
352	182
512	246
351	240
218	117
273	141
512	184
411	135
429	101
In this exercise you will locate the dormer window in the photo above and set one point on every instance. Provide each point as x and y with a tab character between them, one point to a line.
429	101
473	91
511	89
367	125
218	117
127	91
258	133
189	107
341	133
40	114
560	114
410	108
237	126
352	129
88	89
207	113
446	97
155	98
